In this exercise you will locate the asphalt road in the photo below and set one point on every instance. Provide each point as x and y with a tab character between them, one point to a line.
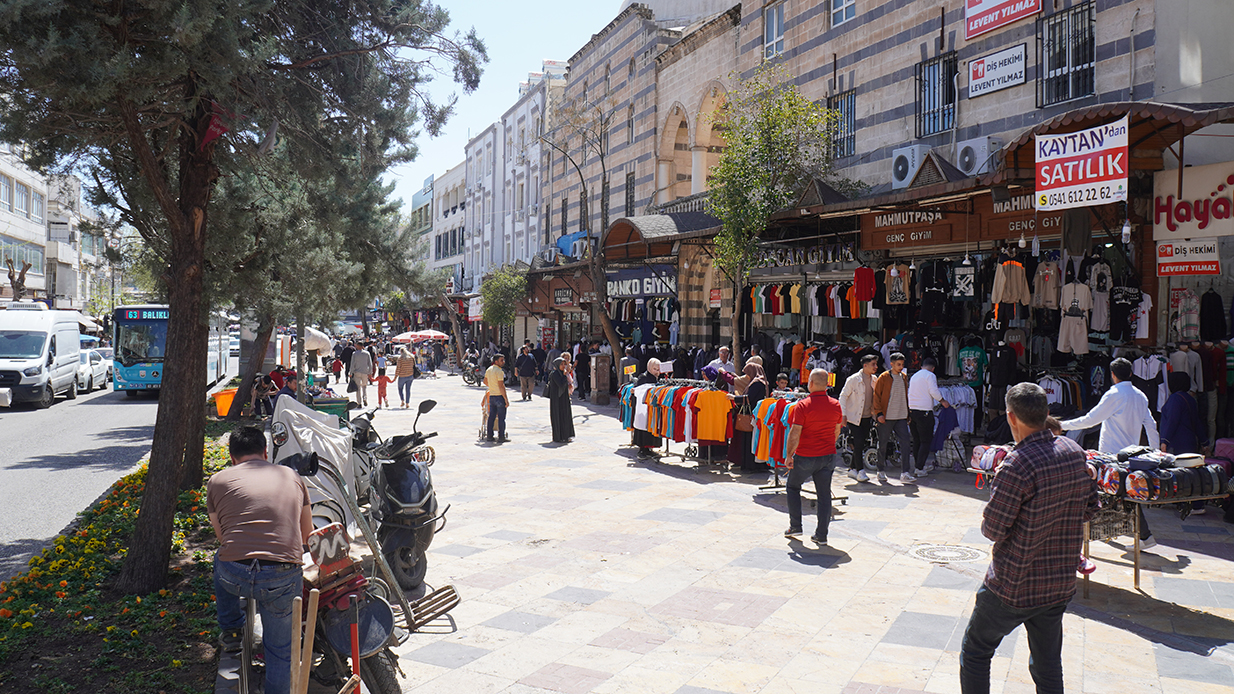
55	462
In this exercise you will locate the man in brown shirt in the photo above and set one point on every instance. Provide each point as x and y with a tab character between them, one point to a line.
260	514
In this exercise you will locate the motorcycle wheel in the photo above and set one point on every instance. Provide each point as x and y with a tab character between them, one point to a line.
409	567
379	674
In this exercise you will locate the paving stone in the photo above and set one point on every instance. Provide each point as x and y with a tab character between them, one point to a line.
614	485
564	462
456	550
864	527
722	606
1185	591
447	654
1205	529
687	689
942	577
1191	666
682	515
523	622
567	679
511	535
786	560
921	630
973	536
628	640
584	596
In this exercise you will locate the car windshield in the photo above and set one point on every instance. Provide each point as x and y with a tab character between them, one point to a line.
21	344
141	341
105	353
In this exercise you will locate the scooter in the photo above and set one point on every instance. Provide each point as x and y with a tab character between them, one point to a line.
405	505
472	374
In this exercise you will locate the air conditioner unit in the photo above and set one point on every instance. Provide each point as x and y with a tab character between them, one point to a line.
975	156
905	162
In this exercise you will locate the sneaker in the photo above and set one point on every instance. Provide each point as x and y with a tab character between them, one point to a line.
907	478
862	476
920	472
930	467
853	474
1199	511
231	641
792	532
882	476
820	541
1146	544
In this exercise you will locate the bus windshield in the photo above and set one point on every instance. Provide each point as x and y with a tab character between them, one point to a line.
143	341
21	344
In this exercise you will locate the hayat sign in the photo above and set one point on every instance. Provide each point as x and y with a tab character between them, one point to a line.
981	16
1205	209
997	71
1084	168
1178	258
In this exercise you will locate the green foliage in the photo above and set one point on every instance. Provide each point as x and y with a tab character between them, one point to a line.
501	291
776	142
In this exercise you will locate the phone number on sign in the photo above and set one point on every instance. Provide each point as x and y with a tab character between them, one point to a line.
1071	197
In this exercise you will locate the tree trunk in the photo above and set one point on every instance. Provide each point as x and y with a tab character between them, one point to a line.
737	287
194	450
261	342
149	549
364	320
458	330
301	355
599	281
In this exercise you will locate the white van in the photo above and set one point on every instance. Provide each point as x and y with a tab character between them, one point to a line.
38	353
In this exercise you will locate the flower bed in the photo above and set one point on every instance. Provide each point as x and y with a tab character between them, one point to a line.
63	628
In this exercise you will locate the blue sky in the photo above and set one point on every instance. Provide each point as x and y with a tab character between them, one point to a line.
519	35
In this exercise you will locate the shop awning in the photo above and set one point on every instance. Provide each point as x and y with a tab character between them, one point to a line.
653	235
1154	127
87	323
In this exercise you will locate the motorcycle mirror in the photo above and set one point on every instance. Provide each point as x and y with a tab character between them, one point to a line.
279	433
353	405
427	406
306	464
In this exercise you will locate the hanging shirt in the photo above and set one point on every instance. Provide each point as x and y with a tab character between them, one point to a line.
818	415
1047	282
972	363
899	289
863	282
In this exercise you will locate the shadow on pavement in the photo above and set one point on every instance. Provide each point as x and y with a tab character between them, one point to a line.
15	555
1175	626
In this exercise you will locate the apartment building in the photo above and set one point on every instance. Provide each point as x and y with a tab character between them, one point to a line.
482	195
524	218
420	221
449	214
23	223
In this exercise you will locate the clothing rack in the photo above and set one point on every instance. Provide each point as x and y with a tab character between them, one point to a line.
794	395
685	455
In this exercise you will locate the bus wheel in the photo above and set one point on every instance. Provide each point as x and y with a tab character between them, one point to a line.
131	393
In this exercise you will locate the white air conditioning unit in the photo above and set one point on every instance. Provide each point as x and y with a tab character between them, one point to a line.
975	156
905	162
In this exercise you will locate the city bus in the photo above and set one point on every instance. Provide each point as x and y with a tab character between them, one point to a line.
139	335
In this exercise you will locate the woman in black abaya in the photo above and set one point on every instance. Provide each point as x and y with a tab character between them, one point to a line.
558	392
643	439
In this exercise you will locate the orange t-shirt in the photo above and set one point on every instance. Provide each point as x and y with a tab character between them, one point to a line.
713	407
798	355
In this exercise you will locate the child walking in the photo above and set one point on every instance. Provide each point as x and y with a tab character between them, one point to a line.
382	381
337	367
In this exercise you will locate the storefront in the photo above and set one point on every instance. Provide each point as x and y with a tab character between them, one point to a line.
642	303
558	307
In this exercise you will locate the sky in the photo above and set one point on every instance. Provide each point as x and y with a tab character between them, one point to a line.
519	36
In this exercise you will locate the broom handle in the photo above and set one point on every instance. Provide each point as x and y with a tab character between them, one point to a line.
306	655
297	603
354	682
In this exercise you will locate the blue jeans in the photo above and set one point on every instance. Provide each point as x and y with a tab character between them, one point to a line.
404	388
496	414
818	468
992	620
273	587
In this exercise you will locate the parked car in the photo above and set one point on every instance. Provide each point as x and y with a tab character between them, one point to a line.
109	356
235	346
91	371
38	353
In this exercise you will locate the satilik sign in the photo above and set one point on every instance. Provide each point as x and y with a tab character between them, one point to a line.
1084	168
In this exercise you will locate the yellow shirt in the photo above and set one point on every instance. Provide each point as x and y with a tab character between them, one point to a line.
495	378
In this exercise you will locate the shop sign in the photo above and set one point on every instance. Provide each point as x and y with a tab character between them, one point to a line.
1205	208
475	308
818	254
717	299
997	71
895	219
911	228
981	16
631	283
1019	217
563	297
1084	168
1182	258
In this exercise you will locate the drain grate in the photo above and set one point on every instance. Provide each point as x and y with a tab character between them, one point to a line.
948	554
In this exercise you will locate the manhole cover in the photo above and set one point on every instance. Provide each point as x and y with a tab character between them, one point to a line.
948	554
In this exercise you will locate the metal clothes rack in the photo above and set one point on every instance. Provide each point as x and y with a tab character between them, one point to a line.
686	454
792	396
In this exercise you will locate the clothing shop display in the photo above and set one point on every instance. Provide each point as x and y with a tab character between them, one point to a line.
1184	315
1010	283
1100	282
1047	282
1212	316
1076	300
899	284
1124	302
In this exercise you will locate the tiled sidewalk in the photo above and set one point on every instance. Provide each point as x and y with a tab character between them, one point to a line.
582	569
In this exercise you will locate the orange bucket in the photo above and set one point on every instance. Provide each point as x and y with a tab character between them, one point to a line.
222	400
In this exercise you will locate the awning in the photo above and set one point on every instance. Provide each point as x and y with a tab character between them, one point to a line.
1154	127
653	236
87	323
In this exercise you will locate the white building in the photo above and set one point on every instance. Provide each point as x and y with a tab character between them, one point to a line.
524	223
484	165
449	215
78	273
23	224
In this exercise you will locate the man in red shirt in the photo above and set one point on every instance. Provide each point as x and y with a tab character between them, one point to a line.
815	425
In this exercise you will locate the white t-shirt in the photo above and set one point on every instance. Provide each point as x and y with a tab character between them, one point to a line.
1142	316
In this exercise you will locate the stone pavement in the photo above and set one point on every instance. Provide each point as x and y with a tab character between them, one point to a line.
582	569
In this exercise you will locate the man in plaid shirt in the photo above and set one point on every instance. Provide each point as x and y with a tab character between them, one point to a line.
1042	496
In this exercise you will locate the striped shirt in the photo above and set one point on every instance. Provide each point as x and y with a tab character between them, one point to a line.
1042	496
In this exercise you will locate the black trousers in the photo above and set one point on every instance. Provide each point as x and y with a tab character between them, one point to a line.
921	422
859	436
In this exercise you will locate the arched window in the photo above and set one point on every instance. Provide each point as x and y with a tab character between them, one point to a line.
630	69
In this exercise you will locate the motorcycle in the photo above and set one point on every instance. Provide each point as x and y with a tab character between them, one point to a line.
405	504
472	374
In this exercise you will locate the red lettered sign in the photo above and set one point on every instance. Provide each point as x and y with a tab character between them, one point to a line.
1082	169
981	16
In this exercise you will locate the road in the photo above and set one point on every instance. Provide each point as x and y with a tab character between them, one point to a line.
55	462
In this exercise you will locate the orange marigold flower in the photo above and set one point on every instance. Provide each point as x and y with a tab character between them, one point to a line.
61	594
6	613
64	584
124	611
163	613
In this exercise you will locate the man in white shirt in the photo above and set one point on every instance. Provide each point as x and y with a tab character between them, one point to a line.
1122	412
922	394
857	403
724	362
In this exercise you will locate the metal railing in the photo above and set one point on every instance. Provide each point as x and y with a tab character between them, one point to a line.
935	83
1067	55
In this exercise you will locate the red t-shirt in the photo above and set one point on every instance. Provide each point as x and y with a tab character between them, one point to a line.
817	415
863	283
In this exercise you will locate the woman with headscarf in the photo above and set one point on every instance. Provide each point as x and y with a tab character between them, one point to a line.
643	439
1181	428
748	389
558	393
404	374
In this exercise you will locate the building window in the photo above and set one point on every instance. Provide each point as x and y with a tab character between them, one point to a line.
630	194
518	197
6	194
844	138
437	250
1067	56
36	207
630	126
773	30
936	94
22	203
842	11
565	214
630	69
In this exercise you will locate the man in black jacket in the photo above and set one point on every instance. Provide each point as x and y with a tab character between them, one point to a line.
526	368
